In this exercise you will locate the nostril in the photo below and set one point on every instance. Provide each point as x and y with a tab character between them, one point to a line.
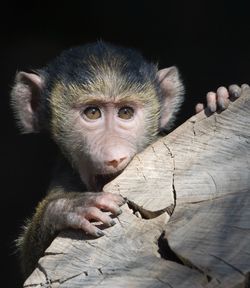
115	162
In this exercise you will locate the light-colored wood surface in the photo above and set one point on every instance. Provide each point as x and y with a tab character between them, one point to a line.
201	171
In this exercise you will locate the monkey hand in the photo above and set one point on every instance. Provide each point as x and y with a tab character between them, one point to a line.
219	100
77	210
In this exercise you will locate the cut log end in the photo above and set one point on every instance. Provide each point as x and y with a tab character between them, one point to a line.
200	175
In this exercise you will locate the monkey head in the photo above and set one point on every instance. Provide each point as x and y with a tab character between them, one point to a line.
101	104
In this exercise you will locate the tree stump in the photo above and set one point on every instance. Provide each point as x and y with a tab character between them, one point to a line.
187	222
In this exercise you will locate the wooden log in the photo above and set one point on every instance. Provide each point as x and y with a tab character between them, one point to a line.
192	189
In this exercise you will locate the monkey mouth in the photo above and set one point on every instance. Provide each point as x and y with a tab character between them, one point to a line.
100	180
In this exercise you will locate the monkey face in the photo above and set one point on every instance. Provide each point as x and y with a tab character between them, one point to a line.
101	105
114	137
102	136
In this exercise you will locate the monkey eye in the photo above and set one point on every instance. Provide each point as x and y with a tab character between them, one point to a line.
126	113
92	113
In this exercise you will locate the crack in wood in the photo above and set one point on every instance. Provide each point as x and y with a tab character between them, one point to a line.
167	253
193	127
71	277
48	282
164	282
173	172
228	264
147	214
53	253
100	270
214	182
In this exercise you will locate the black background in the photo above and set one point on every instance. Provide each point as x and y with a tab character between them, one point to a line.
209	42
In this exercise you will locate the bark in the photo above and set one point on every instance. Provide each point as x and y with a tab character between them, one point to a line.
191	190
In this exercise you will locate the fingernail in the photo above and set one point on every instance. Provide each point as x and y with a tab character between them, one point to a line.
99	233
212	109
112	223
222	107
119	212
235	94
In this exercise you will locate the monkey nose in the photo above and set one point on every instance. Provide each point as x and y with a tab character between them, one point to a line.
115	162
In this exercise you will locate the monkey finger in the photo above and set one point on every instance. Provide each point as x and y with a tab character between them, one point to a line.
118	199
77	221
105	197
211	101
234	91
244	86
199	107
92	229
110	206
222	98
94	213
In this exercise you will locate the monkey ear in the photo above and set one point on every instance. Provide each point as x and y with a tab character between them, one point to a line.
172	95
25	97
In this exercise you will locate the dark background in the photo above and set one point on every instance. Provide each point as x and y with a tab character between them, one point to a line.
209	42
